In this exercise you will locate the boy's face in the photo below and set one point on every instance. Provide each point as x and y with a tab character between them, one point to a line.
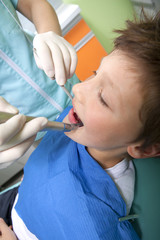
108	105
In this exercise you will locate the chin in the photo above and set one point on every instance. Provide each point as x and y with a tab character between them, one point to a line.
74	134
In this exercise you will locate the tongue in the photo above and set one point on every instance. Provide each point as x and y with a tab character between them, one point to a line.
73	117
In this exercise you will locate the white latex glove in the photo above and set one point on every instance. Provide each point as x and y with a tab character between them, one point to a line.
55	56
16	136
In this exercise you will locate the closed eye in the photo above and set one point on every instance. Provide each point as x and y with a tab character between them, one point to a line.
101	98
100	93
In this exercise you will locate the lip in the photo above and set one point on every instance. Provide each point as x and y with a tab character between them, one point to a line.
73	116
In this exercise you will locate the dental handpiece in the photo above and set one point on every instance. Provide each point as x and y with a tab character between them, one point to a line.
51	125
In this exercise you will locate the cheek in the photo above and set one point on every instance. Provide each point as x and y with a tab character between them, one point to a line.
96	127
92	122
102	128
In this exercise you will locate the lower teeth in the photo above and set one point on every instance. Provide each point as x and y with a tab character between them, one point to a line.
78	120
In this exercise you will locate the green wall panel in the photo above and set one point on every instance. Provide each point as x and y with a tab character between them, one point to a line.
103	16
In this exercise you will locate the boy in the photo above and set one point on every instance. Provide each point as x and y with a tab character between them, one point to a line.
66	192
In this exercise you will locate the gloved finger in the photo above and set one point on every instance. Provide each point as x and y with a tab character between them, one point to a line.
45	59
6	107
11	127
12	154
73	57
54	63
62	60
30	129
60	71
66	60
37	60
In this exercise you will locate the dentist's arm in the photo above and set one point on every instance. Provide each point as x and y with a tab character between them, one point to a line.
16	136
53	53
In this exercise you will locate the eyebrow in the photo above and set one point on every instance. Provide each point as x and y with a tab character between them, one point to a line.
110	82
111	85
109	79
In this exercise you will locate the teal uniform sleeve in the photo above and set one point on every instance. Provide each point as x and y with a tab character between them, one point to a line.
15	3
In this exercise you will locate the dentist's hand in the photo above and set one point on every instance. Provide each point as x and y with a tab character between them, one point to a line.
16	136
5	232
55	56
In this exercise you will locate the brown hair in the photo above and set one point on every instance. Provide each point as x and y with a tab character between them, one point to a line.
141	42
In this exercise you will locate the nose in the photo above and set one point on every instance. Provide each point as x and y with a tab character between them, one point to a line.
78	91
83	89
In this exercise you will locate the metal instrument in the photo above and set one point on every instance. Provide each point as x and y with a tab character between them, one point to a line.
51	125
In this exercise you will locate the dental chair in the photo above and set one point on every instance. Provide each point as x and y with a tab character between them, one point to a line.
147	198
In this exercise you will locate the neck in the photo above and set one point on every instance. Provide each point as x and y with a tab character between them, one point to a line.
107	158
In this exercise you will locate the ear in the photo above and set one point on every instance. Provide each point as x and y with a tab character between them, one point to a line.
135	151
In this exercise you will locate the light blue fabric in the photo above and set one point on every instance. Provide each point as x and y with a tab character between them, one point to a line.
13	87
14	2
66	195
9	188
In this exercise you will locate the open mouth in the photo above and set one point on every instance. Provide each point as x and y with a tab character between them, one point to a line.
74	118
